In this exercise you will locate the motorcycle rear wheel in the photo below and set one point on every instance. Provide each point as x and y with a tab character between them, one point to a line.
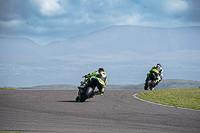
77	98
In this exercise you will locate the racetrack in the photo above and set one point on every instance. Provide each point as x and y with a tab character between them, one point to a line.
115	112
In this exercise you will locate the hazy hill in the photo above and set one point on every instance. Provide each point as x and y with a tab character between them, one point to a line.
135	39
176	84
19	50
127	43
126	52
165	84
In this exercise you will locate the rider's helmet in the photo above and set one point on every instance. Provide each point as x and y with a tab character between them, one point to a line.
159	65
101	70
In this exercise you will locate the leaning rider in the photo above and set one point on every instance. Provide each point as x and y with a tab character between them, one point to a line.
158	71
99	81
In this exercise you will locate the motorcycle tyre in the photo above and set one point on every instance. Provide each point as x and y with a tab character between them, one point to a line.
146	86
77	98
151	85
86	95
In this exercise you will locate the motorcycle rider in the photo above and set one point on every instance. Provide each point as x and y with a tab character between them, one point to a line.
99	81
158	72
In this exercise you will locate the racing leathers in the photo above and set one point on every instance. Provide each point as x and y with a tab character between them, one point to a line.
158	72
99	81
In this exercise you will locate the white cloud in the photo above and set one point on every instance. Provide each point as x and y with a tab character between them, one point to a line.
133	19
12	23
67	18
175	6
38	29
84	18
49	7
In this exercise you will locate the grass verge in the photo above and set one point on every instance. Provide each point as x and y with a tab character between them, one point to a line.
185	98
9	132
7	89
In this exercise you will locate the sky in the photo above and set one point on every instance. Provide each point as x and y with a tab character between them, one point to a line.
44	21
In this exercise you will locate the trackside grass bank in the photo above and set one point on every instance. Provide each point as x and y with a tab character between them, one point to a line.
7	89
185	98
9	132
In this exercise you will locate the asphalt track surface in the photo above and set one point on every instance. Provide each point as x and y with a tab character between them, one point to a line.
115	112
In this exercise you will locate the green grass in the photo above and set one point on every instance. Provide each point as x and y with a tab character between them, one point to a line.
185	98
9	132
7	89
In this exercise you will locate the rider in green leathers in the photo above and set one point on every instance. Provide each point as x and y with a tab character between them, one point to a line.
158	71
99	81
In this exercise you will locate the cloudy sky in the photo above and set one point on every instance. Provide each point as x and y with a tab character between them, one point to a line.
44	21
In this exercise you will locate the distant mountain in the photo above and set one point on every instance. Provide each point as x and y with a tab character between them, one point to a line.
128	42
120	41
126	52
165	84
19	50
51	87
177	83
23	46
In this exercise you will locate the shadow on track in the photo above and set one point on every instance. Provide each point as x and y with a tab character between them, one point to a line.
73	101
70	101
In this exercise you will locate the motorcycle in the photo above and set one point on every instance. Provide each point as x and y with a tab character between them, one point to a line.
85	93
150	82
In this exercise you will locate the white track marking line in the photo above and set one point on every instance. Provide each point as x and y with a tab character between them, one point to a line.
135	96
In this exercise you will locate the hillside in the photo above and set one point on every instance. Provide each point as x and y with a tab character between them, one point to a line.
51	87
175	84
136	39
165	84
126	52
